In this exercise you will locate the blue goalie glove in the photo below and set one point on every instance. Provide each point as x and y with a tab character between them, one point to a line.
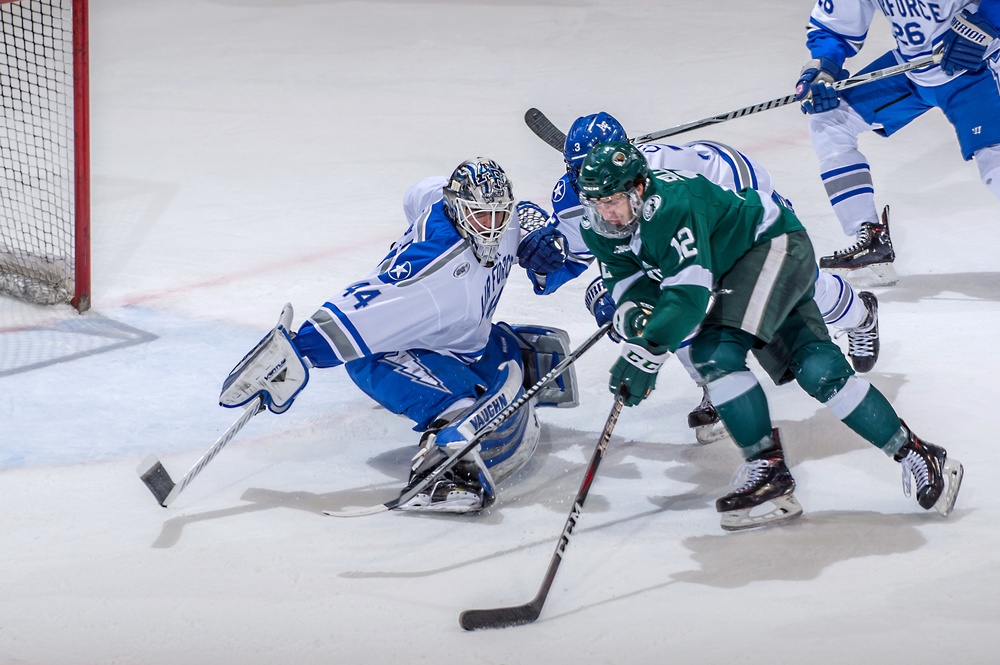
813	88
601	305
543	247
966	42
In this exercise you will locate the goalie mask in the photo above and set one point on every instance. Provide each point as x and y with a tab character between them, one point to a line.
480	201
609	188
584	134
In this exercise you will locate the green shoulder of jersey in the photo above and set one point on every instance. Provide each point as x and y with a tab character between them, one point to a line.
691	232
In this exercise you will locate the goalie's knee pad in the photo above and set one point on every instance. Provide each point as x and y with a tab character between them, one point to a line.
542	348
274	369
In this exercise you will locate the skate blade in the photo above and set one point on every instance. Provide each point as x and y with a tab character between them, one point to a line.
783	508
876	274
953	473
710	433
456	503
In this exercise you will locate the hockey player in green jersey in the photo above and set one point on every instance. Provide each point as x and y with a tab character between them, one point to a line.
678	252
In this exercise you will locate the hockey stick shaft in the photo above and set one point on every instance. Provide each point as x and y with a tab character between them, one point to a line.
487	429
158	481
503	617
849	82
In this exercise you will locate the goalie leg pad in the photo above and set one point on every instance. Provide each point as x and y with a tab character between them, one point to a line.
273	369
542	348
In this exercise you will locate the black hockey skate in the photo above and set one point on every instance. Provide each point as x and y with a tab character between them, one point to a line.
873	250
705	422
938	478
863	342
765	480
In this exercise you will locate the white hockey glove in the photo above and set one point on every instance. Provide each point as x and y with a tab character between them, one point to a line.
273	369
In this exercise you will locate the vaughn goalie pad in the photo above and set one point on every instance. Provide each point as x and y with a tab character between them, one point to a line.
273	369
542	348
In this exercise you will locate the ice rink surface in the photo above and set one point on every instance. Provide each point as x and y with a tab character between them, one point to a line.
252	152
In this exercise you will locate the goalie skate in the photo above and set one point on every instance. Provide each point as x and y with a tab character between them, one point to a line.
765	492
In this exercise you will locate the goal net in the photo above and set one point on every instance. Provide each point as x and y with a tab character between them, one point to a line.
44	152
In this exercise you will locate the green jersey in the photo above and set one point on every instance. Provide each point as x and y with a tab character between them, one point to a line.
691	232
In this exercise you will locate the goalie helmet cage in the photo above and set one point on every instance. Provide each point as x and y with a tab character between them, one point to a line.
45	152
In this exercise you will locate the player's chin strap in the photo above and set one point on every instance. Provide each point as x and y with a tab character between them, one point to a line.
498	420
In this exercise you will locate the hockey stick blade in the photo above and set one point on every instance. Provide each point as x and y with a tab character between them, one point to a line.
487	429
849	82
503	617
156	478
544	129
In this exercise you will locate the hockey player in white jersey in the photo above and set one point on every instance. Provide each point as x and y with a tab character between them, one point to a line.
853	314
965	86
417	336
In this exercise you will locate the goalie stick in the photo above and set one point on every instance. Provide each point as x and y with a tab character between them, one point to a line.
548	132
156	478
502	617
467	448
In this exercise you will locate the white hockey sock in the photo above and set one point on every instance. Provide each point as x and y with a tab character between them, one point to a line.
844	170
837	301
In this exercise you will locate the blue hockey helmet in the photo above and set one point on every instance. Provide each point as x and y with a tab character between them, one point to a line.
585	133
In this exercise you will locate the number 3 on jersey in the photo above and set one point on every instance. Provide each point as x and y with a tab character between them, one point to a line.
683	242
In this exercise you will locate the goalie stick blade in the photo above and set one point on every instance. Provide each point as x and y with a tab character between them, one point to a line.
156	478
362	512
501	617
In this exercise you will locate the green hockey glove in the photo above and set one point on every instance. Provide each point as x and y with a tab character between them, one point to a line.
637	368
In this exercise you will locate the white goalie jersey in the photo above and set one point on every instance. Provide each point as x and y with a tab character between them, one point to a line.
429	292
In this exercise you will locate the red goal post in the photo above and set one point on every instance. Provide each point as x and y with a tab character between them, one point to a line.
45	152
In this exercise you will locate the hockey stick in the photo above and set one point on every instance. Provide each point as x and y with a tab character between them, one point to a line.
157	479
552	135
544	129
490	426
502	617
849	82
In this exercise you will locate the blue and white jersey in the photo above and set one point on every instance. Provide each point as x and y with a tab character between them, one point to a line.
429	292
725	166
838	28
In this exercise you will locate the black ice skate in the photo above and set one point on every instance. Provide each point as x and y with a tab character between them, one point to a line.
938	477
863	342
873	250
766	483
705	422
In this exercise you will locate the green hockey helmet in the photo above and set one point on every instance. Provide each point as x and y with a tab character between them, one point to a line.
608	181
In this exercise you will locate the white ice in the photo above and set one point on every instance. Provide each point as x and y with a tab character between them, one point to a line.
252	152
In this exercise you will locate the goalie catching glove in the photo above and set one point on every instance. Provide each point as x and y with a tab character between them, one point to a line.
637	368
274	369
